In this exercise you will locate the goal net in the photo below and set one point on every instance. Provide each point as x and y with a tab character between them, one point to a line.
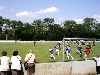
74	42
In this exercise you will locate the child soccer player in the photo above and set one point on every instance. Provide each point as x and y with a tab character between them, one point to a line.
79	49
57	49
87	51
68	52
34	43
51	53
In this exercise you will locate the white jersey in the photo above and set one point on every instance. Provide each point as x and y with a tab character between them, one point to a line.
97	61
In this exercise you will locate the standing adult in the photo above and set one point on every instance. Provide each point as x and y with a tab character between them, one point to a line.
20	72
4	67
15	64
97	60
30	59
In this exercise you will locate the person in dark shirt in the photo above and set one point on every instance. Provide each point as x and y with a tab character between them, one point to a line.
94	42
34	43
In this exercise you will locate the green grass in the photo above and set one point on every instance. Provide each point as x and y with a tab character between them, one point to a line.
41	50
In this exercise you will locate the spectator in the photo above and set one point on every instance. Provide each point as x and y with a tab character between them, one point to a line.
97	60
16	64
20	71
4	67
30	59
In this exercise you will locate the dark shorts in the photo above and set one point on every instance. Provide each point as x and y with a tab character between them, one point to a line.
17	72
14	72
98	69
31	67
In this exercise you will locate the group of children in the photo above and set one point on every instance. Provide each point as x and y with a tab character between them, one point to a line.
57	48
79	50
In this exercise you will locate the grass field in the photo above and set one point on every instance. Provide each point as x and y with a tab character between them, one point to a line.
41	50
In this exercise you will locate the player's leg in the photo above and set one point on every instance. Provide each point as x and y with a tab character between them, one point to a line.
53	56
77	52
80	53
71	56
85	57
68	56
57	51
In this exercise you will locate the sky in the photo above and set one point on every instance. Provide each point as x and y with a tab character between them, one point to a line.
60	10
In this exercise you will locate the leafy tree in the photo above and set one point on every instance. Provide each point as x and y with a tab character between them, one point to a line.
90	23
69	26
46	29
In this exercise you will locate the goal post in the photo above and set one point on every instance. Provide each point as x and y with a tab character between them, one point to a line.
71	40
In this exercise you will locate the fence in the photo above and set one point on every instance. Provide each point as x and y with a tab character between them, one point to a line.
66	68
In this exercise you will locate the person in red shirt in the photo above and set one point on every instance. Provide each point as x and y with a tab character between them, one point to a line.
87	52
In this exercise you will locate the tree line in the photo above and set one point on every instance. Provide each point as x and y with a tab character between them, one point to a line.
47	29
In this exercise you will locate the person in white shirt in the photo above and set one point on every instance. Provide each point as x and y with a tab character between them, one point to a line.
20	72
30	59
97	60
15	63
5	61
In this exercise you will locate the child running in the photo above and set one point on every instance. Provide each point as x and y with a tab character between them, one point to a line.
68	52
79	49
57	49
51	53
87	52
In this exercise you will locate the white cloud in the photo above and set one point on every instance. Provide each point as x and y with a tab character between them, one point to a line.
78	21
2	7
26	14
61	18
35	14
97	17
52	9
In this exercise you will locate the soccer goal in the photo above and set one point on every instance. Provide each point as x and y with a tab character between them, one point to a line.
73	42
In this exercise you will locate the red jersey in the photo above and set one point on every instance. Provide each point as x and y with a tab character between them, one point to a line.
87	50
